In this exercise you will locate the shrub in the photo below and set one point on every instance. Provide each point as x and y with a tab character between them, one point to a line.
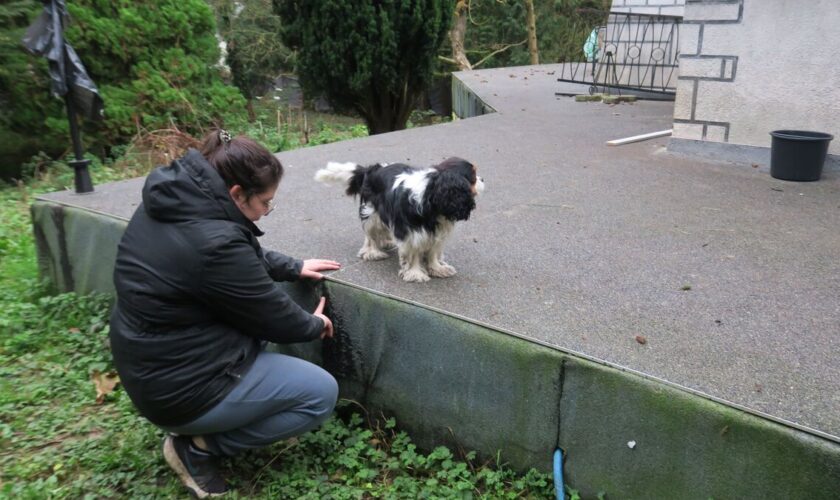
155	64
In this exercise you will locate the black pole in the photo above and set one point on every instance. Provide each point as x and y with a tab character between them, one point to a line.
80	164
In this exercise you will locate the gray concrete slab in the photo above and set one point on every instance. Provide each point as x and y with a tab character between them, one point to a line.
583	246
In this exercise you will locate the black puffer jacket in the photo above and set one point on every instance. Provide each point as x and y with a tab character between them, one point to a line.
195	295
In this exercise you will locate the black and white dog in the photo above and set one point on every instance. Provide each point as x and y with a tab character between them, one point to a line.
411	208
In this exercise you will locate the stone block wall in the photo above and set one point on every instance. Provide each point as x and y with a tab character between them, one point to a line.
702	69
748	67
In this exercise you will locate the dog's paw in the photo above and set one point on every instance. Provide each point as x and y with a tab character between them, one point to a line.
443	270
414	275
372	254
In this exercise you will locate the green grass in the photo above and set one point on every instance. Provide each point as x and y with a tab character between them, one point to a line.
281	128
56	442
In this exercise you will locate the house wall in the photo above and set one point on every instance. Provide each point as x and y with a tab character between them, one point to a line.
748	67
658	7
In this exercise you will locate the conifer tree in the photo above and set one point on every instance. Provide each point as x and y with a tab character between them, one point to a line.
375	58
155	62
255	53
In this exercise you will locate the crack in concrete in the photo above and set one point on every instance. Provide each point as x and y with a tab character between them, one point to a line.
560	381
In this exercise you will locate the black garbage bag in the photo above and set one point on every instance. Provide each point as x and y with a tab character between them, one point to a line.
45	37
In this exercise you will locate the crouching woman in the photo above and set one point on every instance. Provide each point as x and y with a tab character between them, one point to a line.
196	301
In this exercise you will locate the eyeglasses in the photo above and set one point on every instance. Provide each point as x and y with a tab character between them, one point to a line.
269	206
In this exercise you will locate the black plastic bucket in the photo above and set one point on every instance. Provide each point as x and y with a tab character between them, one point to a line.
798	155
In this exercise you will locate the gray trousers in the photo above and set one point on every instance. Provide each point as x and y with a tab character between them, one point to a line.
279	397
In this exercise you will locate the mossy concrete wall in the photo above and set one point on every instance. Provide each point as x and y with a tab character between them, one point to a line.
76	248
454	382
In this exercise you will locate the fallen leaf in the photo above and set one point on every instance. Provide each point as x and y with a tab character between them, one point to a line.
641	339
685	288
105	384
74	330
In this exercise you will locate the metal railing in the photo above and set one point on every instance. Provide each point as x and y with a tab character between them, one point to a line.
629	52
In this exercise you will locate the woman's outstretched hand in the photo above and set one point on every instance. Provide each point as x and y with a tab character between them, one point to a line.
328	326
311	268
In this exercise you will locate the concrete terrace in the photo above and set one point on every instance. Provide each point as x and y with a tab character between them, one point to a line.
583	247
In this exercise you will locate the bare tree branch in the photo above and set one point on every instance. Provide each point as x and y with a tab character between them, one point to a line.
499	51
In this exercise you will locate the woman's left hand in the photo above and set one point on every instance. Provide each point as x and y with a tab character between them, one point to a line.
311	268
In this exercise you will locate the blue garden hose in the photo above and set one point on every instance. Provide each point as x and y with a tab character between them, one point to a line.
558	474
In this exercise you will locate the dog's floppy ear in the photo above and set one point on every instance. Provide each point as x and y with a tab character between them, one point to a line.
450	195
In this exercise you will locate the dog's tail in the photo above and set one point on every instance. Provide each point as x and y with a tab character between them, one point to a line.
348	174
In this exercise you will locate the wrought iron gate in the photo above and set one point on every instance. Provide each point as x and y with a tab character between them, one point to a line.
631	52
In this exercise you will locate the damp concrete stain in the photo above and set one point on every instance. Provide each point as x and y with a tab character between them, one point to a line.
66	277
340	356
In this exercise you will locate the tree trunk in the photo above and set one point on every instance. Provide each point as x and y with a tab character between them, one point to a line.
249	105
531	20
458	33
381	124
390	113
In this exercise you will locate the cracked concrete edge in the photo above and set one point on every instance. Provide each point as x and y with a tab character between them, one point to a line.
454	382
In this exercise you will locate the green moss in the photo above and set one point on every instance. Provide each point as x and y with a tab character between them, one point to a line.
693	444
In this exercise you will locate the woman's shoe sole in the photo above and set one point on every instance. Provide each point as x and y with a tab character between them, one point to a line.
174	461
